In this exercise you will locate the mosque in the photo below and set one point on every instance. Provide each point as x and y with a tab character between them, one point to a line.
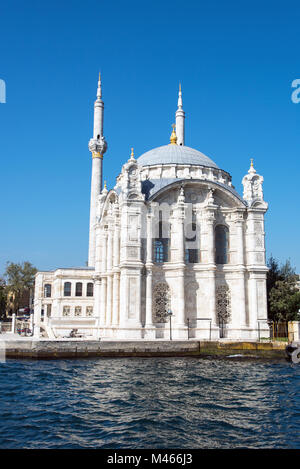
172	247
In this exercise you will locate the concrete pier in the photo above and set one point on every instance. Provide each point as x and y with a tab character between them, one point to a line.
54	349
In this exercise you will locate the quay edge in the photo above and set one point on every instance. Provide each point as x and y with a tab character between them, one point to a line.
52	349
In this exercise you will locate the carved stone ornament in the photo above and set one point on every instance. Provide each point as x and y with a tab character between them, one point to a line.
252	184
210	197
161	302
223	303
98	145
181	196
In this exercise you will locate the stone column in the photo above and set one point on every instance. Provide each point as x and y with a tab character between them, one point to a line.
149	267
104	252
109	258
181	270
37	318
124	298
180	301
109	277
253	301
212	298
109	301
210	240
239	226
241	320
97	301
103	279
149	293
103	301
116	277
116	298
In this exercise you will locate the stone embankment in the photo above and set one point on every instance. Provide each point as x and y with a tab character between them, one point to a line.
54	349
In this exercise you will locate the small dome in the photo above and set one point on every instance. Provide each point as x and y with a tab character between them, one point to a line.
175	154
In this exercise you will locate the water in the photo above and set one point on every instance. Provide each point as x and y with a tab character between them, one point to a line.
149	403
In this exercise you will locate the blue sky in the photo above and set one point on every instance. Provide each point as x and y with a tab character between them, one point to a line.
236	62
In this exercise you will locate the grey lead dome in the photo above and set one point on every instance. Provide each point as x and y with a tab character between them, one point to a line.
175	154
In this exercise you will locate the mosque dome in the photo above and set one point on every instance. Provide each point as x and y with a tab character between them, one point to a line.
175	154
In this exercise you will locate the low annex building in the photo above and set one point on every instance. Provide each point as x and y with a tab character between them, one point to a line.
173	240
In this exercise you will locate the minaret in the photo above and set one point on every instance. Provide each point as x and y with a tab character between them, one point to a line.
97	146
180	116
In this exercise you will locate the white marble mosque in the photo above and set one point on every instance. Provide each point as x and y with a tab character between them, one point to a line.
172	241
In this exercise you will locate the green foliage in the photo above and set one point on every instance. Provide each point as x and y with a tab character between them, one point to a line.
19	278
3	297
283	296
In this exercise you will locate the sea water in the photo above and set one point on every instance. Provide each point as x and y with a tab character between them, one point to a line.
149	403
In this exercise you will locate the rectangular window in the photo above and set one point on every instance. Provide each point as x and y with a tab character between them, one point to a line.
47	290
49	310
191	256
67	289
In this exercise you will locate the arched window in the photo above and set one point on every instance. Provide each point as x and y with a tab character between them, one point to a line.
221	244
67	289
90	289
47	290
161	250
78	289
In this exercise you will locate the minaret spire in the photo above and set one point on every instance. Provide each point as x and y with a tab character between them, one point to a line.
180	116
99	89
180	97
97	146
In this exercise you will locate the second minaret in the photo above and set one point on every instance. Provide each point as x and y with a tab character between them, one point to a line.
180	116
97	146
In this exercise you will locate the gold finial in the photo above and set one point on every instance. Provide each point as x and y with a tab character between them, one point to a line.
105	185
173	138
251	159
132	153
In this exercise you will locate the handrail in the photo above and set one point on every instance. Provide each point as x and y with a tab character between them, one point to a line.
199	319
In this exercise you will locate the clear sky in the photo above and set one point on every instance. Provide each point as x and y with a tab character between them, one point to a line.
236	61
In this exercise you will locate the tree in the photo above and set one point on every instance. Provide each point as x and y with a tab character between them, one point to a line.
3	297
283	296
19	280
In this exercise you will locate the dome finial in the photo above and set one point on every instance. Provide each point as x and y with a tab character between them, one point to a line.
251	169
173	138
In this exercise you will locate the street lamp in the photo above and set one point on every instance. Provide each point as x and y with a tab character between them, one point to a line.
170	314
